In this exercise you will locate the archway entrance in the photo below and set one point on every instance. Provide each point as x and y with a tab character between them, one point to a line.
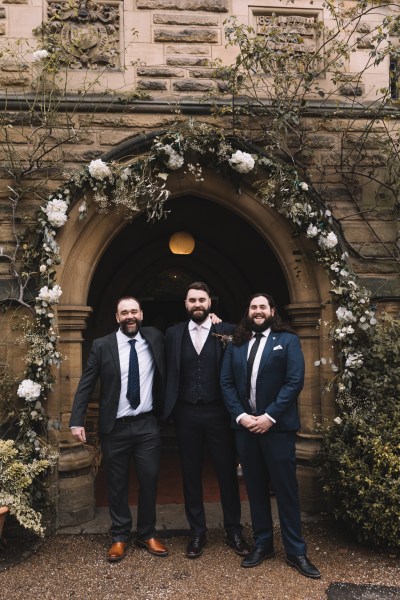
229	255
241	245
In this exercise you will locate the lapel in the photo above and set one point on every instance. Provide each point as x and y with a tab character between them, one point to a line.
243	349
271	342
180	332
113	345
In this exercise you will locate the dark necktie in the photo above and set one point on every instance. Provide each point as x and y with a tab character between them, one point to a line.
133	391
250	362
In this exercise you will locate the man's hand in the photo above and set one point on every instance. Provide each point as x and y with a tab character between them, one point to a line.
261	424
79	434
214	319
248	421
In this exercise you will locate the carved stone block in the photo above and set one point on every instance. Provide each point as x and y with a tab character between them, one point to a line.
220	6
186	36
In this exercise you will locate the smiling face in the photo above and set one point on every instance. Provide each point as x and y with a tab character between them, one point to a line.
198	305
129	316
260	313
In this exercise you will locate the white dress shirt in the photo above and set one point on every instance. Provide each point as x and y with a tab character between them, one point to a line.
146	373
204	331
254	373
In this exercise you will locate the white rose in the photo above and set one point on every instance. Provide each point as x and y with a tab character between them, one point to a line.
28	389
99	170
242	162
303	186
56	212
39	55
312	231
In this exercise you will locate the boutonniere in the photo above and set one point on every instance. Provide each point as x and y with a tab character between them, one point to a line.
223	338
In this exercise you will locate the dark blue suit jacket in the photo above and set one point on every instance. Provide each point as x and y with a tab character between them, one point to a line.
279	382
173	347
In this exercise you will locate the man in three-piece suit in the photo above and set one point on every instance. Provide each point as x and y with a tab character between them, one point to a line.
262	375
131	366
193	397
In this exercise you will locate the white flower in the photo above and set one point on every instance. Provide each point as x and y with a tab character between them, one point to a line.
328	241
334	367
28	389
163	176
174	160
99	170
242	162
303	186
56	212
343	314
83	207
354	360
312	231
39	55
337	420
321	361
50	295
43	268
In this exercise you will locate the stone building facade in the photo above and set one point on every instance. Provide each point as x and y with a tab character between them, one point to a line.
159	57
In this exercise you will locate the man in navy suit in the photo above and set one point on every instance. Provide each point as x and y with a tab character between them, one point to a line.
128	426
262	375
193	397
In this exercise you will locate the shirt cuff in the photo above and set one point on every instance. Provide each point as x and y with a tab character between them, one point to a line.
240	417
270	418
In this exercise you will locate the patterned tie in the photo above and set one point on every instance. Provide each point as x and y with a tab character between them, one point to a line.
250	362
198	339
133	391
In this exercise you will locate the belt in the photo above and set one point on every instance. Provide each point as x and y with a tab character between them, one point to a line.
131	418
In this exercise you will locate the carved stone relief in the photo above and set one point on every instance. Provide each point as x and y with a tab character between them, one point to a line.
299	31
87	32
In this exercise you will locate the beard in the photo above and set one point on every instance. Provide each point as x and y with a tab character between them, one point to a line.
198	315
130	327
258	327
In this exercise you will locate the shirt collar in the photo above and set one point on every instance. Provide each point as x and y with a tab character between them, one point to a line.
205	325
125	338
264	333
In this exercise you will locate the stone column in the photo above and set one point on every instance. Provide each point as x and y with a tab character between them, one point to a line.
76	478
305	320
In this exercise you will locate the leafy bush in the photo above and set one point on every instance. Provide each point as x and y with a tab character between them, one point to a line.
359	460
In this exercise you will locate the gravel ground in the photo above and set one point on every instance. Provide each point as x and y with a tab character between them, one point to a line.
72	566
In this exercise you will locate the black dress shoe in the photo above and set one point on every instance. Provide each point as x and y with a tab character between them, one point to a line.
257	555
238	543
194	548
303	565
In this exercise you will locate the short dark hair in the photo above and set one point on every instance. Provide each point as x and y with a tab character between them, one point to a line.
127	298
198	285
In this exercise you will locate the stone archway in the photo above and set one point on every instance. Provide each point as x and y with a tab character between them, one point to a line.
83	244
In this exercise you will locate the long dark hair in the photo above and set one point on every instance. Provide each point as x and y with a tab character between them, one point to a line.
243	331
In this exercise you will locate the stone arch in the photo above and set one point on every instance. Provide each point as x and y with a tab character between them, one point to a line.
82	245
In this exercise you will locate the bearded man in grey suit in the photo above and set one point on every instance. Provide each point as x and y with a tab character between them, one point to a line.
130	364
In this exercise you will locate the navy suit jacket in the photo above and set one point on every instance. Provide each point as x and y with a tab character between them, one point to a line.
104	363
173	346
280	380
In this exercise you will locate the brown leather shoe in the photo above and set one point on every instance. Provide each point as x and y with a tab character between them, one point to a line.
153	545
117	551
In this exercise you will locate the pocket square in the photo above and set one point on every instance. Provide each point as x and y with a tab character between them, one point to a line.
277	347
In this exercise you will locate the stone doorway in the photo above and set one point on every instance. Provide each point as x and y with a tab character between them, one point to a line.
241	246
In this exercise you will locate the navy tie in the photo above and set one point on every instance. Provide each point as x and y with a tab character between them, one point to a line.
133	391
250	361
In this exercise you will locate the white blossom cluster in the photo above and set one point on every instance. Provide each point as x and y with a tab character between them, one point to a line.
328	241
39	55
99	170
49	295
28	389
174	160
56	211
354	361
242	162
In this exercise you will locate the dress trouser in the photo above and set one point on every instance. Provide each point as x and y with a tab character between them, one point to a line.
265	458
200	426
139	439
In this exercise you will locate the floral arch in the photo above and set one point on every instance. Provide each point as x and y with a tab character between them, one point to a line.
94	203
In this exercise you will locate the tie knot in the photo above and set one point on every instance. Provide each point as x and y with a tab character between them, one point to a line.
258	336
132	342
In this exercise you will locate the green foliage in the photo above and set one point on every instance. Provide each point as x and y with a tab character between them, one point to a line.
360	457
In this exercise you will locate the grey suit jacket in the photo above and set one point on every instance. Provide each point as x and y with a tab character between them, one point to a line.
103	363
